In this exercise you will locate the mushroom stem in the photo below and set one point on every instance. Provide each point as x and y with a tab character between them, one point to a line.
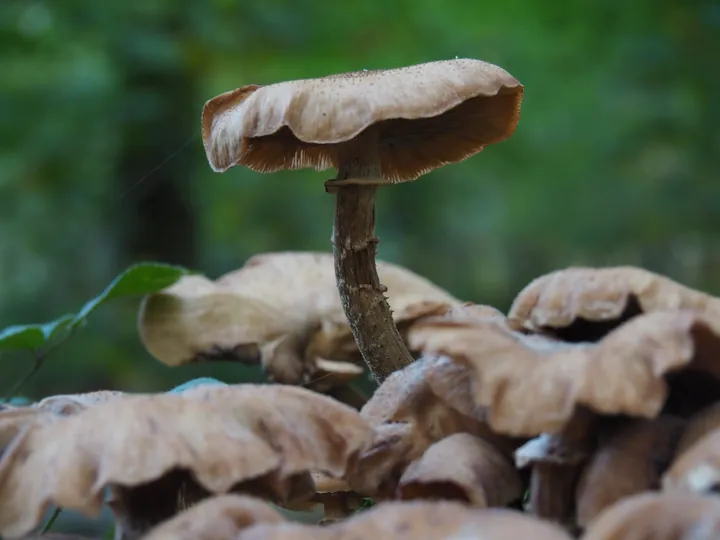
552	492
557	464
354	246
139	509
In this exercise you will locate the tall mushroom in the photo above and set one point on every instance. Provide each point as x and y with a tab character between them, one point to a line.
376	128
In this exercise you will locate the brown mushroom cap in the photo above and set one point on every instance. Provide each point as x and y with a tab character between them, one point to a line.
417	520
659	517
310	431
630	461
174	449
280	309
65	404
328	484
426	115
531	384
13	419
408	416
220	517
418	395
131	441
583	304
465	468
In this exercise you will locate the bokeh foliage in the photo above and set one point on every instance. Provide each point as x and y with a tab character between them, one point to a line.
615	160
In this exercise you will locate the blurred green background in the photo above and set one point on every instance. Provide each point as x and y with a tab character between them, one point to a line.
615	160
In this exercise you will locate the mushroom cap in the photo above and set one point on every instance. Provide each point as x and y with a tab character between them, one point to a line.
325	483
417	520
658	517
426	116
13	419
209	439
280	309
533	384
418	395
222	516
603	298
128	442
413	408
310	431
465	468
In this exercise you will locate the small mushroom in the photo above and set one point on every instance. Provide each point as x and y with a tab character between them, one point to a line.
338	499
376	128
464	468
556	460
629	460
655	516
416	520
281	310
408	416
584	304
220	517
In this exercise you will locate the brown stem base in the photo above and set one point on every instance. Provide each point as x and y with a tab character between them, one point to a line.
552	492
362	295
557	461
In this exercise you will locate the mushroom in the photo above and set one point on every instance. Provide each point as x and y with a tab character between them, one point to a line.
141	442
159	454
416	520
412	409
584	304
219	517
465	468
531	385
338	499
556	460
376	128
658	517
630	459
280	309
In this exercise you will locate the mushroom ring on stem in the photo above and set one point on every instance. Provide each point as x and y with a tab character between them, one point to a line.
376	128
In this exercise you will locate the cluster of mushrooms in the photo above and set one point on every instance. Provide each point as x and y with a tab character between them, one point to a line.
590	410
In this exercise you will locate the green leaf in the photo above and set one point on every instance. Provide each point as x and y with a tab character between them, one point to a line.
32	336
140	279
365	503
28	336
